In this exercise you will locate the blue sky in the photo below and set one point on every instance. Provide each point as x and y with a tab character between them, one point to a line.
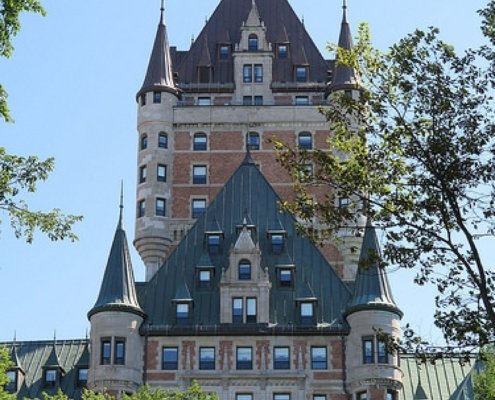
72	84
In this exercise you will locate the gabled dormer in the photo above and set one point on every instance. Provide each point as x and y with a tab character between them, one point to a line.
15	372
253	33
53	371
245	284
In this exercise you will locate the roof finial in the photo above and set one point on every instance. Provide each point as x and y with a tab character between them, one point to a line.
121	206
344	8
162	9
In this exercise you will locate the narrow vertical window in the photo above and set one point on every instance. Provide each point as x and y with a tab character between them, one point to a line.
214	242
381	352
199	174
307	313
143	171
162	140
143	99
237	310
170	358
258	100
143	142
251	310
277	243
200	141
301	74
244	270
119	357
244	358
252	42
368	350
82	377
224	52
283	49
141	208
253	141
204	279
247	101
198	207
161	173
106	352
258	73
318	358
160	207
11	386
182	313
157	97
50	378
247	73
285	278
207	358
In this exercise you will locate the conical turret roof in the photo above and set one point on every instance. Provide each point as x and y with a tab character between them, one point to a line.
372	289
344	77
118	291
159	75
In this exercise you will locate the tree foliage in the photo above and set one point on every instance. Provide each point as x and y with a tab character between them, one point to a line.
193	393
4	365
413	149
484	381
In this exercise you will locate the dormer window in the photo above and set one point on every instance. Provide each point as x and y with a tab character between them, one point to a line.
82	377
11	386
285	277
223	52
253	42
204	73
50	377
282	51
277	241
182	313
204	278
214	243
301	74
307	312
237	310
244	270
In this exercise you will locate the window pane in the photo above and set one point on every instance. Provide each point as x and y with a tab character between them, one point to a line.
258	73
368	350
204	101
204	279
253	139
207	358
251	310
182	313
285	278
318	358
160	207
161	173
244	396
157	97
282	51
141	208
237	310
301	74
244	270
163	140
169	358
142	174
214	242
302	100
307	314
11	386
319	397
253	42
362	396
382	352
247	101
283	396
144	142
305	141
119	352
281	358
199	174
258	100
224	52
247	73
198	207
200	142
82	376
244	358
277	242
106	350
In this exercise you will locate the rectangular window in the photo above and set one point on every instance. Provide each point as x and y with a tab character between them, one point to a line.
160	207
198	207
381	352
302	100
285	278
258	100
258	73
50	378
142	173
182	313
119	357
283	49
170	358
244	358
247	101
106	352
204	279
344	202
82	377
162	140
362	396
281	396
305	141
161	173
11	386
199	174
319	397
224	52
318	358
243	396
392	395
157	97
301	74
144	142
141	208
143	99
214	242
307	314
281	358
247	73
237	310
253	141
244	271
204	101
368	350
207	358
277	242
200	141
251	310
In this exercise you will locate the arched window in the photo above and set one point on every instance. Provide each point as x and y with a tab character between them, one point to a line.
305	141
162	140
253	42
244	270
143	143
200	141
253	141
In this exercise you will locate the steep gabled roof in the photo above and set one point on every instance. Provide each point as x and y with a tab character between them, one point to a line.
118	291
159	75
282	26
246	192
372	289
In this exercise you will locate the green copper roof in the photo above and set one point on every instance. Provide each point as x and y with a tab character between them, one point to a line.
247	196
371	288
37	356
117	290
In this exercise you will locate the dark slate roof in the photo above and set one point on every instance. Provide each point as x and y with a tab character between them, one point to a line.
117	290
344	77
246	195
159	74
224	27
14	358
35	356
446	379
371	289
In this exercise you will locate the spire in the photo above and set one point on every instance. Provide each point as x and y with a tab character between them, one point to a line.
53	360
344	77
372	289
159	75
253	18
14	358
121	206
118	291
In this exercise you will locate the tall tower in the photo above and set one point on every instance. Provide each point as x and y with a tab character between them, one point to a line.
117	348
373	371
156	100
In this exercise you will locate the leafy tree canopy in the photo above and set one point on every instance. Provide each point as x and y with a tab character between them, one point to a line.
413	149
4	364
484	381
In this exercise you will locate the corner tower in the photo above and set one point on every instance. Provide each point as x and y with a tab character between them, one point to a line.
156	100
373	371
117	348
